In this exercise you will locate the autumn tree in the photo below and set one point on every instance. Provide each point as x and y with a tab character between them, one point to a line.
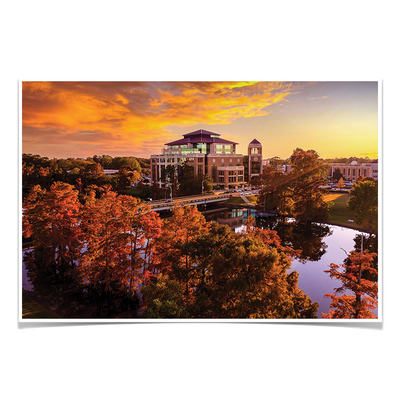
340	184
247	278
308	175
275	189
233	275
124	178
52	218
118	232
172	247
363	299
364	203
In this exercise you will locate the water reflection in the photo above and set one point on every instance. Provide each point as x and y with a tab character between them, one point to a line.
233	217
305	237
321	245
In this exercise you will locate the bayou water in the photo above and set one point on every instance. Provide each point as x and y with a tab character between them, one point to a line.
325	244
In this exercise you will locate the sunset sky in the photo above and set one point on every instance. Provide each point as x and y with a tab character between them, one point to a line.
81	119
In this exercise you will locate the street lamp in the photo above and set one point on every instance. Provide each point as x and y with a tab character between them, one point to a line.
202	188
170	191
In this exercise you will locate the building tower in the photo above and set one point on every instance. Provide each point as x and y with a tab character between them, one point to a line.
255	158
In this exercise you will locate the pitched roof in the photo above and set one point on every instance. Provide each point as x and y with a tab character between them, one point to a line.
255	141
200	136
201	132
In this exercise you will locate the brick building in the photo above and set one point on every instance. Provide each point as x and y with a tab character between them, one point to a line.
207	153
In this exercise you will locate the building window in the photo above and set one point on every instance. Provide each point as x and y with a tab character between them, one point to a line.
219	148
170	160
201	147
189	151
232	179
200	160
220	179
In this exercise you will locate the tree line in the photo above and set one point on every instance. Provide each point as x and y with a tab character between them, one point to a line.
109	254
80	172
300	194
110	251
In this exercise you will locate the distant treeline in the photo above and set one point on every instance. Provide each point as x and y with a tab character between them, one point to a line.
37	170
344	160
68	164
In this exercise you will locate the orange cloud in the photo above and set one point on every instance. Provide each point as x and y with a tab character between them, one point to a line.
116	117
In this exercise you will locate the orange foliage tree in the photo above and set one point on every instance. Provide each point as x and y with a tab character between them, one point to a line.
51	218
118	232
229	275
172	247
365	292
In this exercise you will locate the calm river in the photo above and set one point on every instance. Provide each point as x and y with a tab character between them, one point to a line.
326	245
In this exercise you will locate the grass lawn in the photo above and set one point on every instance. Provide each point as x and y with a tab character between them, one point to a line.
339	213
234	200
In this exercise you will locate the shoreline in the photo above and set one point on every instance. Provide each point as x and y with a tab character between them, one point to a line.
350	225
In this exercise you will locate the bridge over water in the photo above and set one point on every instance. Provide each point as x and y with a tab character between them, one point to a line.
161	205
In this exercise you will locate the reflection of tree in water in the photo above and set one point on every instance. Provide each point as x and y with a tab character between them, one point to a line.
305	237
370	243
64	293
59	290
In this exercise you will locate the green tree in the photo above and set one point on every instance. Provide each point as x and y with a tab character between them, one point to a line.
337	174
364	203
163	298
191	184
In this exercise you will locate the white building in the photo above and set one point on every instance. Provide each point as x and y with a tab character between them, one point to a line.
354	170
